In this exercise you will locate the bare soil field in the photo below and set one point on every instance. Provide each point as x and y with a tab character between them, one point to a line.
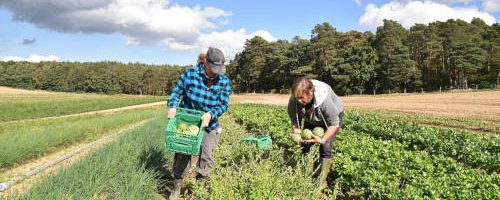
484	105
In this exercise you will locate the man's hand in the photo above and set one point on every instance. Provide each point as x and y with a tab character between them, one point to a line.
315	139
296	129
205	119
171	112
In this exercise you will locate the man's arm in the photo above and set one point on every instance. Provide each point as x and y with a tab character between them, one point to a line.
178	90
330	132
330	115
293	115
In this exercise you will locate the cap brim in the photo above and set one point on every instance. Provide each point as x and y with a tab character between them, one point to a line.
216	65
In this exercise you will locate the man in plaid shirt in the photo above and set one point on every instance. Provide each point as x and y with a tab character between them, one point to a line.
205	88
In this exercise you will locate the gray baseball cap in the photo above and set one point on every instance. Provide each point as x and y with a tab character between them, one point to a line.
216	59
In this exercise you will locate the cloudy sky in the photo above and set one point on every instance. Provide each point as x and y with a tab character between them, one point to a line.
174	32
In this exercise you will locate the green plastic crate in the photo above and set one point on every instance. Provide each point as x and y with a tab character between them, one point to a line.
184	143
261	141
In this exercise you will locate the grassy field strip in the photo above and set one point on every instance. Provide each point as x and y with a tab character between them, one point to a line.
382	169
32	106
53	161
245	172
28	140
90	113
460	123
131	167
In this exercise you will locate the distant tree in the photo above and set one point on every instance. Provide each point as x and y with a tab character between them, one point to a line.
390	37
300	58
404	71
255	61
324	49
355	64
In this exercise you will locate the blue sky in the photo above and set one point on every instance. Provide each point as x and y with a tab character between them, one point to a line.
174	32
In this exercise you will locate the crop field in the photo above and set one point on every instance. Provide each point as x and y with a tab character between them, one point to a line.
391	160
377	155
27	140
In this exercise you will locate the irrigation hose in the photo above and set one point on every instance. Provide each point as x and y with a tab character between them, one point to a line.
6	185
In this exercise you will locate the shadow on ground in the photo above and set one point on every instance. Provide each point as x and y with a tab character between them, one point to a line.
154	160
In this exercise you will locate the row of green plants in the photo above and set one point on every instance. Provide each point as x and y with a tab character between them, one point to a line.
387	170
22	141
369	167
135	167
38	105
474	150
245	172
461	123
129	168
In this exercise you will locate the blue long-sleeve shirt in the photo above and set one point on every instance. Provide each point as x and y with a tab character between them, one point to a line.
192	85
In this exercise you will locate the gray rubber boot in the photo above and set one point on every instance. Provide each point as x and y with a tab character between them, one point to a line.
202	180
326	164
177	189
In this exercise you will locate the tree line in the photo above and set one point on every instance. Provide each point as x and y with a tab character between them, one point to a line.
95	77
448	55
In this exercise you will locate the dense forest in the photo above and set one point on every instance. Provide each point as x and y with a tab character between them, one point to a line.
100	77
450	55
441	55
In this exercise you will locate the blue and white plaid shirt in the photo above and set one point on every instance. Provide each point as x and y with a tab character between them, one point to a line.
192	85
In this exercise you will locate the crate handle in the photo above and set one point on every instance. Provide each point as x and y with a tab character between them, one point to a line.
189	111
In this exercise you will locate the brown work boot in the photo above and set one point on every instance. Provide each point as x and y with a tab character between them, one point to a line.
326	164
176	192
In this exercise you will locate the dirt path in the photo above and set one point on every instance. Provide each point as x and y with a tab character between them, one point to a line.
25	184
483	105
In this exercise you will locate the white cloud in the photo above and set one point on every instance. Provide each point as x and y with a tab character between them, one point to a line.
141	22
419	12
442	1
231	42
491	5
32	58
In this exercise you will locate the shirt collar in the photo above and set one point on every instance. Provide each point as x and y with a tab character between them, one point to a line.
201	70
